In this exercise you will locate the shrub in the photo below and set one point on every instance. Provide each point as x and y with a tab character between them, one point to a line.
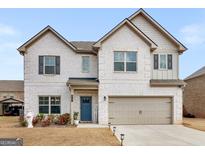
23	123
67	118
40	116
35	120
56	119
45	122
62	119
75	115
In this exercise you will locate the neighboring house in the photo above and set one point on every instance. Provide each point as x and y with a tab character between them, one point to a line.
11	96
194	93
129	76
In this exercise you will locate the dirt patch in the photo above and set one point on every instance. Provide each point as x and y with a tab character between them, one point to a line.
196	123
48	136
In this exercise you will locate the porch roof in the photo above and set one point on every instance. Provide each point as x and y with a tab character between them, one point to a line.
11	101
82	82
166	83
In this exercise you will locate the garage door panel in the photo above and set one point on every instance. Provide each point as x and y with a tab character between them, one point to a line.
140	110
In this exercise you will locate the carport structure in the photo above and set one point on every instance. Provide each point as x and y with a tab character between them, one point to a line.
10	106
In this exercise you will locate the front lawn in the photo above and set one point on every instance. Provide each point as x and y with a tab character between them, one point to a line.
9	128
196	123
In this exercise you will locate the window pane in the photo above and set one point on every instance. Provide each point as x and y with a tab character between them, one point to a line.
163	63
55	100
131	66
131	56
50	61
55	109
43	100
49	69
118	66
118	56
43	109
85	63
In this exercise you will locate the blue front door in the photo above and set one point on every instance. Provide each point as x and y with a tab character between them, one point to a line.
86	108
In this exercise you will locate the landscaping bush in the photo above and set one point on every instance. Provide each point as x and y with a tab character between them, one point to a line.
45	122
40	116
23	123
35	120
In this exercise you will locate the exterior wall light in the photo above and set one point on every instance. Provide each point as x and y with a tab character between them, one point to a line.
122	137
105	98
114	130
109	124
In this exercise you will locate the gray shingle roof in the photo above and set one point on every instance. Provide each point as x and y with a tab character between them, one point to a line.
83	45
11	85
199	72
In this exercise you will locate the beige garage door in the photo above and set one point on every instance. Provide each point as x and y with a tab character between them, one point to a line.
127	110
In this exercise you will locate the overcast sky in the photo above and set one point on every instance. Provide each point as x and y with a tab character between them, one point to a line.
18	25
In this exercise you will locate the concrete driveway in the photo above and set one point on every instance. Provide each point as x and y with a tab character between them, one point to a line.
156	135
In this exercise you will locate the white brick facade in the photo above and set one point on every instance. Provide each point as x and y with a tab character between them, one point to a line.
110	83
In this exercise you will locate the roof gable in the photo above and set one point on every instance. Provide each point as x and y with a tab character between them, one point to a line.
181	47
126	21
22	49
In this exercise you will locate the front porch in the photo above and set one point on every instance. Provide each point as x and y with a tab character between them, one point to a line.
84	98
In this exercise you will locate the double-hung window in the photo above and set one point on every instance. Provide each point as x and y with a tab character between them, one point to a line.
49	104
85	64
125	61
162	61
44	105
49	64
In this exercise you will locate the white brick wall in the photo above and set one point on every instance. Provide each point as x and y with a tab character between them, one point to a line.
111	83
36	84
130	84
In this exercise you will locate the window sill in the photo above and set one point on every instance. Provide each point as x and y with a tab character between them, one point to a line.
49	74
128	72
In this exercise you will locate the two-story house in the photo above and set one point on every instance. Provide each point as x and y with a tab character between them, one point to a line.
129	76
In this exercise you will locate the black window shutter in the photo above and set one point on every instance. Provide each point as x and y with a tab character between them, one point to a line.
156	61
40	65
57	64
169	61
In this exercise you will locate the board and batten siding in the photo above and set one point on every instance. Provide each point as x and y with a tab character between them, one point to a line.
165	45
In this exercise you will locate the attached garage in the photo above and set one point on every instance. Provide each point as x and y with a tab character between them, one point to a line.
140	110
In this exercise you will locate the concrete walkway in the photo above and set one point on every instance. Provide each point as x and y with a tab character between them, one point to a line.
160	135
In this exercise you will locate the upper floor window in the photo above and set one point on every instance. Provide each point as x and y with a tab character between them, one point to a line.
85	64
125	61
162	61
49	64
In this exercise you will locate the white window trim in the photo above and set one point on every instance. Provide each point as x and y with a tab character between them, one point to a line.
49	103
125	62
82	64
165	61
44	61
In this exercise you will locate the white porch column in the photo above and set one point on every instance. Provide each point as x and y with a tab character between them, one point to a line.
71	103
